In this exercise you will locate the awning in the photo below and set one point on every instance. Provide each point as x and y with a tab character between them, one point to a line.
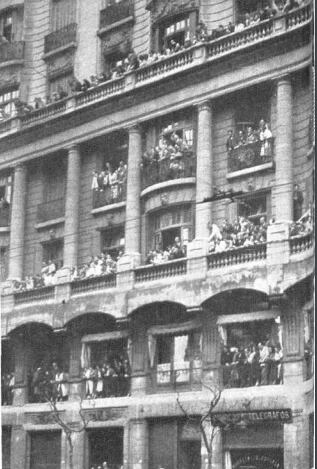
173	329
248	317
104	336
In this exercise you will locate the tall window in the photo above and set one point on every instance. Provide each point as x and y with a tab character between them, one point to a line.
3	263
53	251
60	83
63	13
54	180
6	22
177	29
112	240
6	446
7	102
254	207
45	450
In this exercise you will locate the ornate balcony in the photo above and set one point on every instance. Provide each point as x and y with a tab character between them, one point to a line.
114	13
61	38
156	272
301	243
4	217
166	170
250	155
50	210
111	195
93	284
30	296
11	51
237	256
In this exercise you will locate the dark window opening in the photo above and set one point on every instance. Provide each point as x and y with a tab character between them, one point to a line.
6	447
177	29
45	450
257	458
112	241
54	251
7	27
255	207
106	445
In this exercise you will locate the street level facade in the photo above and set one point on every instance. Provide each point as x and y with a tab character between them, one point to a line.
156	234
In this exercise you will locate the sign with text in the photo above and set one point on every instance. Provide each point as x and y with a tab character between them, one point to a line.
252	417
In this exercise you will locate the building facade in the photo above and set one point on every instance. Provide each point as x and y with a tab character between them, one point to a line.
156	232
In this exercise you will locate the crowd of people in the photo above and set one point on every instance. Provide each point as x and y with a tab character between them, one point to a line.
103	264
241	233
262	136
45	278
173	252
167	156
109	379
302	226
254	365
48	383
7	386
111	180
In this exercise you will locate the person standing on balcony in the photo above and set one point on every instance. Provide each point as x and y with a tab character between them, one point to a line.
230	144
251	136
265	136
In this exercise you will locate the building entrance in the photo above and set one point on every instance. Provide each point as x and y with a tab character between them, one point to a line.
257	459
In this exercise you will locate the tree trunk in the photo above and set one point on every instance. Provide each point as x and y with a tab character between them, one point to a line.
70	451
209	460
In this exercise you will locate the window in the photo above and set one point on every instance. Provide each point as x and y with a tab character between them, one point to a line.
7	102
112	240
53	251
254	207
251	106
54	180
6	447
248	6
311	434
309	342
177	29
3	263
63	13
6	23
175	355
45	450
60	83
169	224
105	444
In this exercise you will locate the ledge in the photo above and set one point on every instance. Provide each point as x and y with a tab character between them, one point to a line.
170	183
5	229
115	25
59	50
46	224
9	63
253	169
108	208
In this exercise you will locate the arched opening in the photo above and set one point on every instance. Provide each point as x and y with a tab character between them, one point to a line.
250	338
167	346
100	355
41	361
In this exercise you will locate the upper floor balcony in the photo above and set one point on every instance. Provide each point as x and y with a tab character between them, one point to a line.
115	12
163	66
11	51
61	38
250	155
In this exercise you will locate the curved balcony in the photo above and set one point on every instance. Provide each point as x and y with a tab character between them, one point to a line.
63	37
155	172
115	13
11	51
251	155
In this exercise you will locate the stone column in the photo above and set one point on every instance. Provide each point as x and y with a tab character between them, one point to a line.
284	151
133	206
296	443
138	454
18	446
17	223
204	187
72	207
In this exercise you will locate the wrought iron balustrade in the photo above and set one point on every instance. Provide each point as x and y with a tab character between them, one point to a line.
51	210
301	243
168	169
60	38
156	272
4	216
93	283
114	13
250	155
236	256
110	195
11	51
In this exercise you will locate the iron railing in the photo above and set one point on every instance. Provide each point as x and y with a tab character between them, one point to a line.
60	38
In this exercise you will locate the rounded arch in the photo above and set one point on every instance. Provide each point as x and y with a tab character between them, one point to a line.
160	311
16	323
90	323
238	300
30	329
303	289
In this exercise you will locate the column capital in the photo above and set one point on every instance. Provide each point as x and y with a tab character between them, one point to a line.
20	167
205	105
134	129
72	147
283	79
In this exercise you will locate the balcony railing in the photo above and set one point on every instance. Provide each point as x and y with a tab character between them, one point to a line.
183	60
301	243
166	170
189	374
62	37
107	386
111	195
156	272
11	51
4	216
50	210
114	13
252	374
30	296
237	256
250	155
93	284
